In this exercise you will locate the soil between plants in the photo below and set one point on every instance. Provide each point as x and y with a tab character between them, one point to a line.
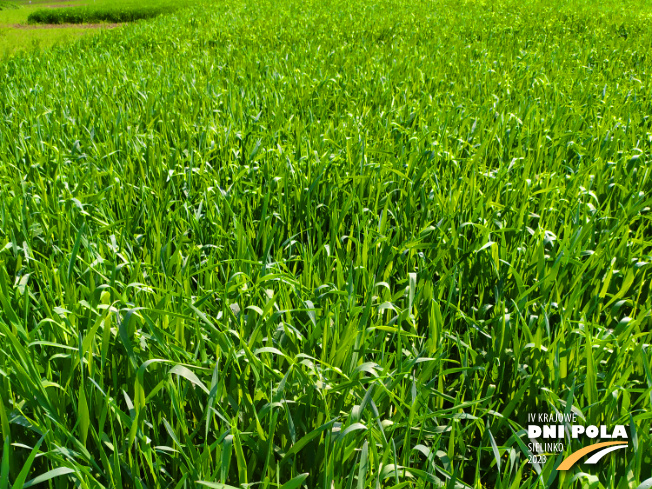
65	26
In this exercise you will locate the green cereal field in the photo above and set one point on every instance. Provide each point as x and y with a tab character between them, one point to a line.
326	244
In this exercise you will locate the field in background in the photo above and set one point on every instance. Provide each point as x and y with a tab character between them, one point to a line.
106	11
16	35
39	24
327	244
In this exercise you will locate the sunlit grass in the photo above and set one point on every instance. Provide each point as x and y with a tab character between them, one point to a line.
326	244
16	37
14	40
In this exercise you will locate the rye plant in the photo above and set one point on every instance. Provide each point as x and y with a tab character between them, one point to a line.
327	244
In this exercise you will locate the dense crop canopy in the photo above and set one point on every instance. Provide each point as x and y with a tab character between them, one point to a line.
326	243
105	11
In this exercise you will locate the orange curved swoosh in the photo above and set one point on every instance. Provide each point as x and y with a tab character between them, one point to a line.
569	461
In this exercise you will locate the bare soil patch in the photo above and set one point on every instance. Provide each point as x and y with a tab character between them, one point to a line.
41	2
63	5
65	26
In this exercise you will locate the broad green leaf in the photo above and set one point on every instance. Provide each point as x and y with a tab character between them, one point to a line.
187	374
295	482
51	474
